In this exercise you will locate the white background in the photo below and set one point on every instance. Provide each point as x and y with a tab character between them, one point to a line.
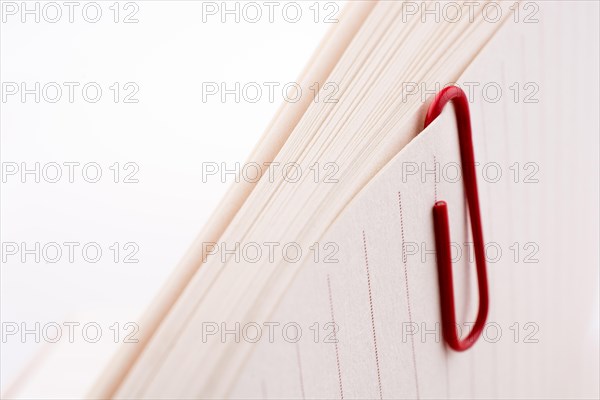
168	134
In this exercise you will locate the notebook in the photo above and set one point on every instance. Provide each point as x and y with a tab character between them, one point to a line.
322	282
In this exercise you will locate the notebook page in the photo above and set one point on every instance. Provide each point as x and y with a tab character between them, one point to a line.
230	289
367	326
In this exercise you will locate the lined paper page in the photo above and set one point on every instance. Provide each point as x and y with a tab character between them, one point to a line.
369	323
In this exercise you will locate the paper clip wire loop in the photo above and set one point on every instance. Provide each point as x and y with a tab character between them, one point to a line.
442	227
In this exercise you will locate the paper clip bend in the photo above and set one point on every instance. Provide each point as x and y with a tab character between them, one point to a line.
442	227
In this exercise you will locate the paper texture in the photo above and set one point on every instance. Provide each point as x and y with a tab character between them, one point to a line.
538	191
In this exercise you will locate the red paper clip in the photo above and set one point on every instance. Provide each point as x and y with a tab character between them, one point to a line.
442	228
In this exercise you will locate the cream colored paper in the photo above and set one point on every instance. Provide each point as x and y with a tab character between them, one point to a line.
549	210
